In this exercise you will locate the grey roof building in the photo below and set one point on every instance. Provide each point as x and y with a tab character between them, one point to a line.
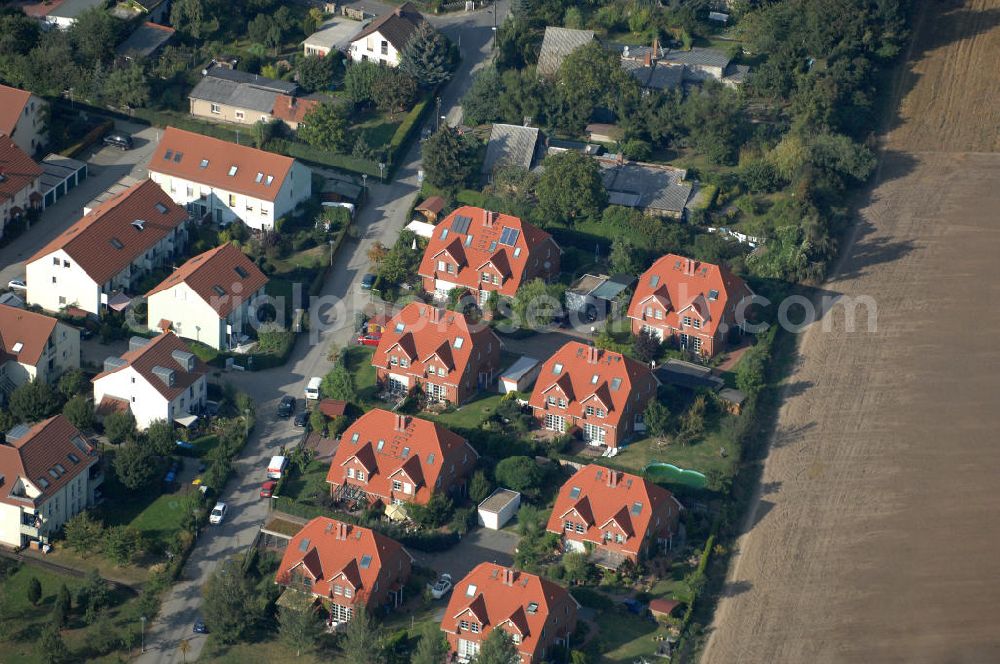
658	190
145	41
654	76
511	144
557	44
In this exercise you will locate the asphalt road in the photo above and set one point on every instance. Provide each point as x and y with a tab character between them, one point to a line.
381	219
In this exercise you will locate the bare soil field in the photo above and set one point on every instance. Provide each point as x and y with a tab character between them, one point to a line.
876	533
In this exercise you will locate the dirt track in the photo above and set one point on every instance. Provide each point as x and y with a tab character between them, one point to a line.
876	537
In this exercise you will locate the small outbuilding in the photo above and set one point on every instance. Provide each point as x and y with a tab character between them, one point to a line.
499	508
662	608
431	208
732	400
520	376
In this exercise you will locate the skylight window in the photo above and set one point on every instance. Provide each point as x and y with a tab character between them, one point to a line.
399	327
269	180
304	545
203	164
380	445
161	208
471	590
53	473
459	341
444	233
116	243
42	482
713	295
654	281
493	246
169	155
532	607
177	157
594	379
240	271
259	178
468	240
430	459
636	509
61	468
218	290
557	368
232	170
574	493
406	452
16	348
74	458
366	561
616	383
354	438
139	224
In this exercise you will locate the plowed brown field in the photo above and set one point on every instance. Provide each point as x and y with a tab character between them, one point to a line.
876	534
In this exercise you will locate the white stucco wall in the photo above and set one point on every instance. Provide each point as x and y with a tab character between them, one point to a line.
29	132
10	523
47	283
370	48
191	316
145	401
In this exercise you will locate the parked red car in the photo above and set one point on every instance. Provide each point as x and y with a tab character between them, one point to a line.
369	339
267	488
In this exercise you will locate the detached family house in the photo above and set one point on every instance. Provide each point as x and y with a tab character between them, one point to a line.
343	566
157	379
22	118
483	252
537	613
384	39
602	393
20	178
557	44
209	298
226	181
693	303
34	347
95	262
230	95
50	474
620	516
396	459
438	351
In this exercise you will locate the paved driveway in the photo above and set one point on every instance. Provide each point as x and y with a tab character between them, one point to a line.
479	546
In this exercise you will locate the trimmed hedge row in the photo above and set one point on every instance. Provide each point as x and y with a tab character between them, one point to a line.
401	138
91	137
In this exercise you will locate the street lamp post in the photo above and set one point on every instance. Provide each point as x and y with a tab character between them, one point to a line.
439	112
142	634
381	172
331	253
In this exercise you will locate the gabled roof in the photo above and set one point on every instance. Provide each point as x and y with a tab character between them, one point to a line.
255	173
711	290
496	595
108	239
510	144
292	109
17	169
647	186
632	502
160	353
557	44
44	456
12	102
423	330
398	26
618	377
331	549
223	277
385	443
23	335
492	234
146	39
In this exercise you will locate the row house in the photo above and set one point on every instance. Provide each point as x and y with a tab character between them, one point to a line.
34	346
537	613
619	515
226	181
22	118
601	393
344	566
20	178
49	473
95	262
397	459
157	379
440	351
483	251
692	303
210	298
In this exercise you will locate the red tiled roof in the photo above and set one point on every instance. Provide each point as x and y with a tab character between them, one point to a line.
597	495
221	156
487	230
617	379
390	446
42	457
110	405
332	407
12	101
27	328
17	170
433	204
428	333
291	109
93	240
681	285
520	602
330	552
159	353
663	606
216	270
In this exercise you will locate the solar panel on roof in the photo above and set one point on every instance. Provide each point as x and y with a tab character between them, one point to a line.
509	236
461	224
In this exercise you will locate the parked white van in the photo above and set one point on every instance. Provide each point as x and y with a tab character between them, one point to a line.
312	389
276	467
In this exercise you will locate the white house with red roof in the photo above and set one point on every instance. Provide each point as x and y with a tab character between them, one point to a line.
20	178
94	263
617	516
50	474
34	346
342	566
600	393
693	303
485	251
537	613
226	181
209	298
157	379
439	351
22	118
397	459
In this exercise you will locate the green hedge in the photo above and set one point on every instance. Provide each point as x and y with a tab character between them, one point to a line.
309	153
404	132
91	137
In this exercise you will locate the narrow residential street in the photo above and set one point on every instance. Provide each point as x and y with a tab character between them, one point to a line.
381	219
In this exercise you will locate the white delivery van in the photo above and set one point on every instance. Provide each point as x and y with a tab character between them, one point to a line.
312	389
276	467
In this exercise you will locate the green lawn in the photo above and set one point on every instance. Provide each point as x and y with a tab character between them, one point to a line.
623	636
470	415
310	484
377	128
22	622
159	519
359	362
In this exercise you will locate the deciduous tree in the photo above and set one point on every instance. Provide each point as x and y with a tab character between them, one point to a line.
571	188
447	159
134	465
325	127
230	603
299	629
33	401
80	412
498	648
316	72
363	640
119	426
126	87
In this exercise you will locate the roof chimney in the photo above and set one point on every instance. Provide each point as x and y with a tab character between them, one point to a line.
656	47
508	576
648	61
400	422
341	530
592	353
488	221
691	265
435	314
613	478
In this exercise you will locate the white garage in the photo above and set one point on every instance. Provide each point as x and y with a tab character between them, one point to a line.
499	508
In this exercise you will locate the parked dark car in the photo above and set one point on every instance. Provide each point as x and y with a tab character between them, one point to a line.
199	627
367	281
301	419
286	407
121	141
